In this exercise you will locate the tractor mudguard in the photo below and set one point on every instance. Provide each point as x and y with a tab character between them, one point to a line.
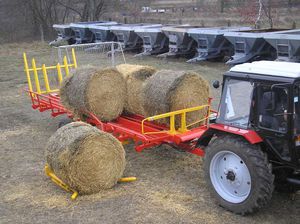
250	135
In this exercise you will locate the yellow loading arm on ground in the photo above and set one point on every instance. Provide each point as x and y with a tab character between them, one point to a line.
172	115
49	172
59	182
34	70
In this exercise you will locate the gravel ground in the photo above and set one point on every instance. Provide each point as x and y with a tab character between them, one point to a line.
170	186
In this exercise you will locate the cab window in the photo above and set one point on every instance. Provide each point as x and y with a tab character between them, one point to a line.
273	108
236	102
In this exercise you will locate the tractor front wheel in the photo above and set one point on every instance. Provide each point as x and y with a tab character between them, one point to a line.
238	174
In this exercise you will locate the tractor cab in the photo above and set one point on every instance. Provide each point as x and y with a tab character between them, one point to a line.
254	145
264	97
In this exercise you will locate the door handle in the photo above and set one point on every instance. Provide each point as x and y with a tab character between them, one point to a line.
279	135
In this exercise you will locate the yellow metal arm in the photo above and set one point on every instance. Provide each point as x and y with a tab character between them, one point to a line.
171	115
49	172
127	179
59	182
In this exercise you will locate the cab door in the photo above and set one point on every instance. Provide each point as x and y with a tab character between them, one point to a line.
273	120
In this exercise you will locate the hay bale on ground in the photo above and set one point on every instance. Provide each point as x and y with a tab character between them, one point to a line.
135	76
85	158
90	89
174	90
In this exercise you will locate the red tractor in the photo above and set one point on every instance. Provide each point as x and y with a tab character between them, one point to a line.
254	144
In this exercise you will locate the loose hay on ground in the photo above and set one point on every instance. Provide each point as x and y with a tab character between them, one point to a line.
90	89
169	90
135	76
85	158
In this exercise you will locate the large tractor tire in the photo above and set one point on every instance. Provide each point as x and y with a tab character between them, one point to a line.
238	174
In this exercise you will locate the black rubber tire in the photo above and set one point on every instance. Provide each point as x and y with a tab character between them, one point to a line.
64	121
259	168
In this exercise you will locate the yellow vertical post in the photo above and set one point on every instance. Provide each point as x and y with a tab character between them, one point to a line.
183	122
66	66
172	124
46	80
59	75
36	77
208	114
27	72
74	58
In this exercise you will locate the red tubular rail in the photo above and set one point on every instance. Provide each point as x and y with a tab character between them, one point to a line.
126	127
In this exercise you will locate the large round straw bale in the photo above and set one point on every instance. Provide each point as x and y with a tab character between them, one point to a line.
90	89
85	158
169	90
135	76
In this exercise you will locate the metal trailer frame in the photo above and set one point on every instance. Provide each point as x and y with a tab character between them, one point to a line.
154	40
103	33
180	43
130	40
250	46
211	43
64	33
83	33
286	43
143	131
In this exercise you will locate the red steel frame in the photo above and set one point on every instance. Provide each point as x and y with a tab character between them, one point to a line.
126	127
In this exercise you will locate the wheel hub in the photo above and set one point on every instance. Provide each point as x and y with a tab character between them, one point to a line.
230	176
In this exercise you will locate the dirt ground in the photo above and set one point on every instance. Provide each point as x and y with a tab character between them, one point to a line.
170	186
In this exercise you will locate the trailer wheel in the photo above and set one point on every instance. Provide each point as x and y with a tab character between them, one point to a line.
238	174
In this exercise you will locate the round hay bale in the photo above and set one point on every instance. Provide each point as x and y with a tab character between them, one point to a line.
85	158
168	91
90	89
135	76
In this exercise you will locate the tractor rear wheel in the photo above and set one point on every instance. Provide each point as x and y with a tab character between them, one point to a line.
238	174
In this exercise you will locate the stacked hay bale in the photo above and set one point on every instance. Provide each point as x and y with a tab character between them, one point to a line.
85	158
135	76
174	90
138	89
100	91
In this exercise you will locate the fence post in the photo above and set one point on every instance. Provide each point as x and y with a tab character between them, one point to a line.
113	54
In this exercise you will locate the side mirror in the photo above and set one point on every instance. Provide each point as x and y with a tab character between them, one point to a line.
216	84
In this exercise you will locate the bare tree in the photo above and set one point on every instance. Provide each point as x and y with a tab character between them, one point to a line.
265	9
44	13
87	10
